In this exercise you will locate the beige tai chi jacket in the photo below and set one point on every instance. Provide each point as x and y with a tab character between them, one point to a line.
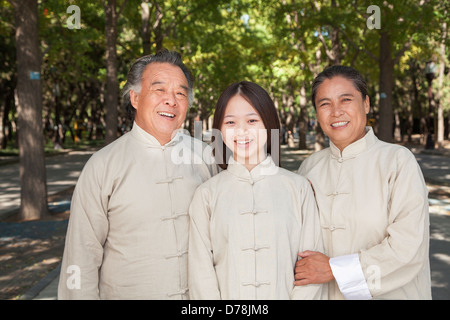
373	207
246	230
128	230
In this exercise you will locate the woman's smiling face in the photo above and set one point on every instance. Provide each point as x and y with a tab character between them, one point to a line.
341	111
243	132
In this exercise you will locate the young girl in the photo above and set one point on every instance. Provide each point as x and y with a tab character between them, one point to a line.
249	222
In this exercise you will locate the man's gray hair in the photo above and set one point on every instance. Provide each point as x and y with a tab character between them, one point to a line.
134	78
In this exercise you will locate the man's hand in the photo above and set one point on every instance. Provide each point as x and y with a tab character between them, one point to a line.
313	267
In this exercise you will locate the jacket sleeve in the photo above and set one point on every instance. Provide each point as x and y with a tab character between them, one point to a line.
201	272
311	239
403	253
86	234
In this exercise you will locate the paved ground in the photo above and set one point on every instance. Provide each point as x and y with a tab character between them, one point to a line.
30	250
63	171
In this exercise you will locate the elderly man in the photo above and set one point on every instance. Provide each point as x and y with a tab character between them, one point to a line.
128	229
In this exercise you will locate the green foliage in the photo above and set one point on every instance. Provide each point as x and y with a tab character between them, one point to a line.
281	45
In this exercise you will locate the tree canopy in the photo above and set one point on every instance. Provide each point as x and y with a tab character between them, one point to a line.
281	45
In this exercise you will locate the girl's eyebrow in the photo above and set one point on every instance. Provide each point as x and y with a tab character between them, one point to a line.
248	114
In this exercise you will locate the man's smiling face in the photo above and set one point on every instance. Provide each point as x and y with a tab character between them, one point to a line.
162	102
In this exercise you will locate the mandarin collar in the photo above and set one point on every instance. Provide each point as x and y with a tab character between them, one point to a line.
264	168
356	147
148	139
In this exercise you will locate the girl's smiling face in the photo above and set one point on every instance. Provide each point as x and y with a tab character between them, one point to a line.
243	132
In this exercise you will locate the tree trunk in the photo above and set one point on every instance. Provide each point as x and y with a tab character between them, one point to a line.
112	85
410	125
415	105
2	123
145	31
440	109
288	101
386	115
397	128
33	203
7	127
319	143
157	26
303	119
149	28
429	142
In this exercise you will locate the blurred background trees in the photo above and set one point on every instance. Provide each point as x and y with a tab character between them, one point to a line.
401	47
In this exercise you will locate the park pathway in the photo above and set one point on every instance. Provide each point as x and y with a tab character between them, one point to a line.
62	173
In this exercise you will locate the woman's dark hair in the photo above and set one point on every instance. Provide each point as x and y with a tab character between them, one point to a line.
134	78
259	99
346	72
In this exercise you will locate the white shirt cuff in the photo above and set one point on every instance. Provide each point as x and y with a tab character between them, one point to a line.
350	278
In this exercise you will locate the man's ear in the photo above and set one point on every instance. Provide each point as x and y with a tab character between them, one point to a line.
367	105
134	98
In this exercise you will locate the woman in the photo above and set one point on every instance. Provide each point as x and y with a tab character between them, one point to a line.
249	221
372	202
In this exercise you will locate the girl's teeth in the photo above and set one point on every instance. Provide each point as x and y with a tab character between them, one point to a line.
242	142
